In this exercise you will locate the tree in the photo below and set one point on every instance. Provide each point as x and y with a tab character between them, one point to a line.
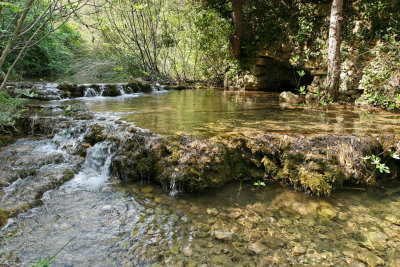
51	15
333	76
237	16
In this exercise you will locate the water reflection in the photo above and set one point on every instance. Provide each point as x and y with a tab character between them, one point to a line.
209	112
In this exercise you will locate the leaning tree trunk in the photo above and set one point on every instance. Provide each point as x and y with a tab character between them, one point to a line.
236	40
333	78
16	33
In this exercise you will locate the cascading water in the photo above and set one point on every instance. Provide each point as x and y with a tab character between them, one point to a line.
90	92
95	170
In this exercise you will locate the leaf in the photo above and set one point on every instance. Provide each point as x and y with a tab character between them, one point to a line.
395	156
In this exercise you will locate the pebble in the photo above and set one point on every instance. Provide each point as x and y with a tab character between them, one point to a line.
393	219
223	235
187	251
147	189
298	250
370	258
257	247
212	211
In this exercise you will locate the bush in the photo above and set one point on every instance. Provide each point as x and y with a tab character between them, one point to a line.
381	79
10	110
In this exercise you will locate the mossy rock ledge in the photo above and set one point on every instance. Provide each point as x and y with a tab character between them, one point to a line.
318	164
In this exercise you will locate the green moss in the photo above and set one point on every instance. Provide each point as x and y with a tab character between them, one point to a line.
315	182
82	152
33	172
68	175
270	167
111	90
4	213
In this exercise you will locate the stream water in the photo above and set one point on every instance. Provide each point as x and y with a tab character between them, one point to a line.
209	112
106	223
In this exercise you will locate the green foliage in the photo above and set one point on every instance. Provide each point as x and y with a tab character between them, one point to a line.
10	110
70	110
302	90
381	78
51	50
51	56
259	183
43	263
375	160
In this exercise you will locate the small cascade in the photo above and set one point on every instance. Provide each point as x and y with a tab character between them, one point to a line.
158	87
95	170
128	90
90	92
173	188
120	88
102	87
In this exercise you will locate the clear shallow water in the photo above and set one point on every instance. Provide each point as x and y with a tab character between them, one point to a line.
132	225
112	224
207	112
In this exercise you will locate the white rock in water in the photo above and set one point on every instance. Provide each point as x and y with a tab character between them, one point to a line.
223	235
289	97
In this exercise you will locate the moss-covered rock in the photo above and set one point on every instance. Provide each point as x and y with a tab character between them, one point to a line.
111	90
139	87
318	164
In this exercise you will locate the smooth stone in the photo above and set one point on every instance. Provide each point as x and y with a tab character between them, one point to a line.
274	242
223	235
298	250
212	211
221	259
147	189
375	240
257	247
187	251
393	219
328	213
174	249
289	97
370	258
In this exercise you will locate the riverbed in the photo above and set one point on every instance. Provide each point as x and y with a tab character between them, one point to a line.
105	222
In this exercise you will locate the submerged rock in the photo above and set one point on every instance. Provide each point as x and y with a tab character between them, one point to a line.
288	97
257	247
370	258
223	235
298	250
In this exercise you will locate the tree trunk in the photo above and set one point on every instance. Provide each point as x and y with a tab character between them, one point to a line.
236	39
16	33
333	78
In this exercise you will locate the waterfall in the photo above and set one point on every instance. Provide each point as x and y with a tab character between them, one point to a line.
96	168
90	92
